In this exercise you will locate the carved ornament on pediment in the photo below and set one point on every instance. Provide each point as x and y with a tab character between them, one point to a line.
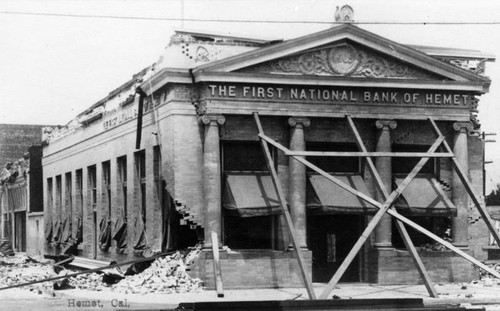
341	60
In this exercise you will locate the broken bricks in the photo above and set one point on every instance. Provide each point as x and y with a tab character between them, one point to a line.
164	275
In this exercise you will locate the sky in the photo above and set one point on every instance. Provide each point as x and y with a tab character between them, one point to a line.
53	67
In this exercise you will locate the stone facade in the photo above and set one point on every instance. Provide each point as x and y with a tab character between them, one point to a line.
197	128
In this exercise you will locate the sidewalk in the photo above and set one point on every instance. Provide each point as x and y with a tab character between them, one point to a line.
448	294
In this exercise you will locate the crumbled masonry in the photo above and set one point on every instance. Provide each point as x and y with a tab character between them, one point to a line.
165	275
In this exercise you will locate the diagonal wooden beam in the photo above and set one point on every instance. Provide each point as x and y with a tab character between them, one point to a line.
463	177
393	213
375	220
284	208
401	228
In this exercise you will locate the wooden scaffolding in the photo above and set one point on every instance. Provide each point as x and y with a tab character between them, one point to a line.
384	207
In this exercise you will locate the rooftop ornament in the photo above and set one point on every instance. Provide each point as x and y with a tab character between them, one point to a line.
344	15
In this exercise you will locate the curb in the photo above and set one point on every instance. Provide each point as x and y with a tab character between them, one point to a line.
472	301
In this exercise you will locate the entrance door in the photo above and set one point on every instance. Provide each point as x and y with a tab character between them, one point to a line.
20	231
330	238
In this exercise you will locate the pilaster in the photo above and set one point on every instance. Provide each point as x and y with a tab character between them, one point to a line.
212	176
297	178
383	232
459	196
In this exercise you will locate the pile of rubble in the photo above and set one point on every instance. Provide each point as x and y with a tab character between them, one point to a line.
487	279
20	269
92	281
165	275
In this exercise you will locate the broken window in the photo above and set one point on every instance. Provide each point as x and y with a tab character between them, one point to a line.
59	194
243	227
140	166
79	197
50	206
106	176
120	229
92	186
430	217
140	243
68	222
105	225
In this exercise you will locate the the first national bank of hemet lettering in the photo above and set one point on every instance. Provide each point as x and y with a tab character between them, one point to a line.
338	95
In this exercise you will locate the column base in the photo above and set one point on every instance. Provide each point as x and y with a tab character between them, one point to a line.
302	248
383	246
208	247
461	245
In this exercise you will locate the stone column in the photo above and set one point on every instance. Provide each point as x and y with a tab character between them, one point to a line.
383	232
297	179
212	177
459	229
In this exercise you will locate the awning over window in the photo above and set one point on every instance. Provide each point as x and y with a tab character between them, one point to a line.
250	194
323	196
424	196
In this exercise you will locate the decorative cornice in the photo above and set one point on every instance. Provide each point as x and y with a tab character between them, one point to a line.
386	124
299	121
463	127
210	119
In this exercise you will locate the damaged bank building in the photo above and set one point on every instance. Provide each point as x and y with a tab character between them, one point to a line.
336	136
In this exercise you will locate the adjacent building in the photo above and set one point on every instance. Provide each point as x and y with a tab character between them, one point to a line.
173	155
21	194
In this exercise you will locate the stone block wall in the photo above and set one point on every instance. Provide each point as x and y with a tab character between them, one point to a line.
393	267
252	269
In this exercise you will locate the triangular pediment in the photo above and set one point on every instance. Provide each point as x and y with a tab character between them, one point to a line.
345	51
346	59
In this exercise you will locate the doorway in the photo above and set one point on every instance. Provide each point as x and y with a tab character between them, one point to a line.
330	238
20	231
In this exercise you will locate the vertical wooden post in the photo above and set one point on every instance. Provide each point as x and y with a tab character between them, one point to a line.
140	108
283	204
217	268
401	228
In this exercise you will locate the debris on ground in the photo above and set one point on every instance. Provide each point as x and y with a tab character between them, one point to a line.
23	269
164	275
6	248
487	279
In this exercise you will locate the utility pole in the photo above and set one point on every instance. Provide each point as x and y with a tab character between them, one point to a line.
483	136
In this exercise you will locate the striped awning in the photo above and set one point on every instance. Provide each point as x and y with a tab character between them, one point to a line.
424	196
323	196
250	194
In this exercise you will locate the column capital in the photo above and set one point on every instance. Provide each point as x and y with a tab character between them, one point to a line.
463	127
294	121
207	119
380	124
